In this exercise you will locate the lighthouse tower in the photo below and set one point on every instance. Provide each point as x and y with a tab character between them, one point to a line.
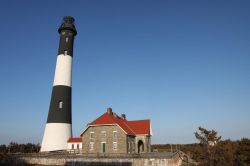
59	123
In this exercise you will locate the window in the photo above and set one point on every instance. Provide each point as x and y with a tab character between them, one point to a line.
60	105
67	39
114	145
72	146
65	52
91	146
91	136
114	134
103	134
77	146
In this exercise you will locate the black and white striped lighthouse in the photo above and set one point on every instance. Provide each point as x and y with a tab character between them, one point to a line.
59	123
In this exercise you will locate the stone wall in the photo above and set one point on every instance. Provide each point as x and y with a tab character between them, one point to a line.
146	143
98	139
173	161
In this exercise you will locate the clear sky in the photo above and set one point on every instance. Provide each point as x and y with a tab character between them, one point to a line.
182	64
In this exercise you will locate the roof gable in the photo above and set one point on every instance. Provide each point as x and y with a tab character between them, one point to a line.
135	127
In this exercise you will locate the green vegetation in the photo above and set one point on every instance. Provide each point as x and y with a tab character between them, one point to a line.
7	159
212	151
14	147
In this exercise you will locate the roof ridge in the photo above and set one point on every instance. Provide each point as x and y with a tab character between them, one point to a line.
97	118
138	120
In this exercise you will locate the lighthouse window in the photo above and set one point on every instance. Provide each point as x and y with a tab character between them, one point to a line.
72	146
67	39
60	104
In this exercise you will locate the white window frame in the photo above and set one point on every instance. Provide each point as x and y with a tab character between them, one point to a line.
91	135
91	146
103	134
115	136
115	146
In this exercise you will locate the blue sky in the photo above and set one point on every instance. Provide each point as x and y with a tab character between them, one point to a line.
182	64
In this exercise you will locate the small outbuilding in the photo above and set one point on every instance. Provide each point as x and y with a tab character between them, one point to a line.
75	144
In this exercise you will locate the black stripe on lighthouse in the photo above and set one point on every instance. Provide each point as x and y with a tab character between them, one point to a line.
60	105
66	43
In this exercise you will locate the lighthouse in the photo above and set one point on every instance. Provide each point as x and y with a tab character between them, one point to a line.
58	128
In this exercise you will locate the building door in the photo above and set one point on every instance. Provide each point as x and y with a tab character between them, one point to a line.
103	144
140	147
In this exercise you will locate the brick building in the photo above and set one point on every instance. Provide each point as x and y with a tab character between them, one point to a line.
111	133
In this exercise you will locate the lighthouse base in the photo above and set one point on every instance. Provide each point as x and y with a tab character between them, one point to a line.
56	136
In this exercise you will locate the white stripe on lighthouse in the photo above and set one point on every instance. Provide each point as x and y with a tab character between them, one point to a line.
63	70
56	136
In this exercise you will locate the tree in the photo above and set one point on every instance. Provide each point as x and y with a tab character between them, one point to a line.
208	140
207	137
3	149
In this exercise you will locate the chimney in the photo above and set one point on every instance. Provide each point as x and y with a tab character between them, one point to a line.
109	111
123	116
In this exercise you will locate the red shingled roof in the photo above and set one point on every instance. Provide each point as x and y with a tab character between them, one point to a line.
140	126
130	127
75	140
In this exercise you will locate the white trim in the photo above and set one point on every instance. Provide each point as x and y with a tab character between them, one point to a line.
93	134
142	134
116	134
103	134
123	130
115	142
151	131
104	125
93	147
